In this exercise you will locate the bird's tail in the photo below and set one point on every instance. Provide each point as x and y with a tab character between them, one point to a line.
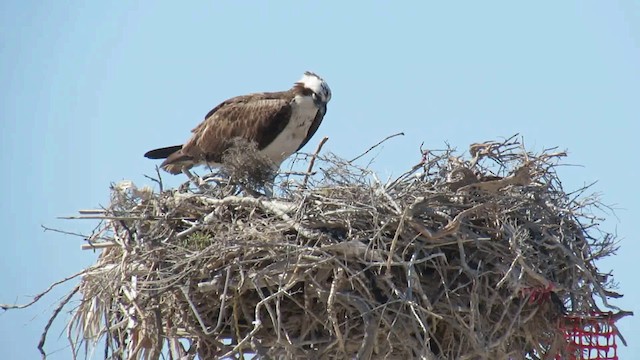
162	153
175	161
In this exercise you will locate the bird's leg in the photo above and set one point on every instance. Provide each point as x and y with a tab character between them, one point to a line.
196	180
223	182
219	178
190	175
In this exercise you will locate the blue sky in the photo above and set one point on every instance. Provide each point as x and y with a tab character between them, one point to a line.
88	87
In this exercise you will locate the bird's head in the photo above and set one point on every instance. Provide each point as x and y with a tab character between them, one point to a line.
321	92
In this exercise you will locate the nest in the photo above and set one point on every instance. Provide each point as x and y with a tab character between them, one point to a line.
461	257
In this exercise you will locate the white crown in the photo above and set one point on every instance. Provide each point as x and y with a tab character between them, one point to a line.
317	85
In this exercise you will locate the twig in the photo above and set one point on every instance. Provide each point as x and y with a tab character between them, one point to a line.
99	245
57	311
278	208
375	146
40	295
158	180
92	211
313	161
63	232
100	218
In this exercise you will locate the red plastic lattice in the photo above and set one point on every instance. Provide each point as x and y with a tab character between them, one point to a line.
591	337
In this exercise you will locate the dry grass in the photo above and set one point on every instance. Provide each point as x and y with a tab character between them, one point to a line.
473	257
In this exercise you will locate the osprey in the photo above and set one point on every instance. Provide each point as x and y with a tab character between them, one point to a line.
278	123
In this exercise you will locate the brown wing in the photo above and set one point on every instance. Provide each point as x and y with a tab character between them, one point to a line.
258	118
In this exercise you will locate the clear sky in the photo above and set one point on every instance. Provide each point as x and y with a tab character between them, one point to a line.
88	87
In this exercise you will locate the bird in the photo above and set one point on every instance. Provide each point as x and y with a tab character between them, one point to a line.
277	123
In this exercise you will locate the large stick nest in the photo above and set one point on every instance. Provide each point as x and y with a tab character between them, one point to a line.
475	257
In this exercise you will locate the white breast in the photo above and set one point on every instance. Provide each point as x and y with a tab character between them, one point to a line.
303	112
